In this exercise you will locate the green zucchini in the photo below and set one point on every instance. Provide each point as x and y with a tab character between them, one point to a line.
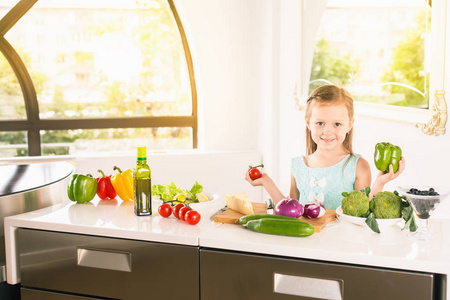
243	220
281	227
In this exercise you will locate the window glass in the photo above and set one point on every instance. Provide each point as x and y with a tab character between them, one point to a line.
13	143
97	58
64	142
6	5
376	49
11	98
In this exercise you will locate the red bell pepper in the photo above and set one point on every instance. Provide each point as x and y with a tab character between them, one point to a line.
105	188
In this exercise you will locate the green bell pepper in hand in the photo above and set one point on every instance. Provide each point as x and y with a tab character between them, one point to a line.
82	188
387	154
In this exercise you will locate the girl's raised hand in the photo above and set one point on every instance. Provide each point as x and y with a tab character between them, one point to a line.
389	176
256	182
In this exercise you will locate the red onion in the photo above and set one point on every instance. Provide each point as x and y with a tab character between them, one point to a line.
314	210
289	207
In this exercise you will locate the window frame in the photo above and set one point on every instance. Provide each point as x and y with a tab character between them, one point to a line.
33	124
415	116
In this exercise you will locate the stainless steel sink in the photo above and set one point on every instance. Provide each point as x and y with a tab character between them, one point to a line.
27	187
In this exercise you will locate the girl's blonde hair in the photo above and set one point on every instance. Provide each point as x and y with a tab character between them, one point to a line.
329	95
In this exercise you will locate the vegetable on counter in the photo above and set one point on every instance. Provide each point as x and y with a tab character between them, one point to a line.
387	154
192	217
82	188
123	184
313	210
286	227
245	219
289	207
384	205
105	189
169	192
180	211
254	172
355	203
165	210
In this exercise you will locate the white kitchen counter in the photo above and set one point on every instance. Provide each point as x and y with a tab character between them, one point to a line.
345	243
340	242
107	218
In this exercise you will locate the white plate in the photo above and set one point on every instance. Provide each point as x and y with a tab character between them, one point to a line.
362	221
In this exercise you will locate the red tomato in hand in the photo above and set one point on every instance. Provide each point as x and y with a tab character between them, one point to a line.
165	210
192	217
254	172
176	209
182	212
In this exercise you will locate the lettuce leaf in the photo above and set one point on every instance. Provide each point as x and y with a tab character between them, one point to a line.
167	192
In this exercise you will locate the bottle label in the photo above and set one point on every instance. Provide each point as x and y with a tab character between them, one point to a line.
142	158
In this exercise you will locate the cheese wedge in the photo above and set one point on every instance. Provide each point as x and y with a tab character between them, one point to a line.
240	202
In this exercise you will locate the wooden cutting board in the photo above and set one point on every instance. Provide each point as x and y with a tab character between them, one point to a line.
230	216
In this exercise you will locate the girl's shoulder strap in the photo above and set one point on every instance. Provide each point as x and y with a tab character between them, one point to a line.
351	161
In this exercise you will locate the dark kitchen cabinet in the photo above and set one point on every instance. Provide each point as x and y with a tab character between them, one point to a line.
74	266
234	275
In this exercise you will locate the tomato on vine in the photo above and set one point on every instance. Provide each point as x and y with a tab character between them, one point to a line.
192	217
165	210
176	209
254	172
182	212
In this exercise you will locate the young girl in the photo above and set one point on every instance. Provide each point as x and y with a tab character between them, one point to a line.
330	166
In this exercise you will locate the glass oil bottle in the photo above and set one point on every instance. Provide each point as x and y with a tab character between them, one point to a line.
142	184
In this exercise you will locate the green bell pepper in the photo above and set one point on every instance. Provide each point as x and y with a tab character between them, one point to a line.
387	154
82	188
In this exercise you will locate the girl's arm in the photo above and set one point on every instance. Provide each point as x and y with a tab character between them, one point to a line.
268	185
294	193
383	178
363	176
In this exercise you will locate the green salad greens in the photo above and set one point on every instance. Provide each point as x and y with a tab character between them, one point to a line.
170	192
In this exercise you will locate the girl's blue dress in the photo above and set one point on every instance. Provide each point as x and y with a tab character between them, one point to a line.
325	184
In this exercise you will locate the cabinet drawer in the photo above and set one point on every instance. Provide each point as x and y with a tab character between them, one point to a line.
107	267
233	275
30	294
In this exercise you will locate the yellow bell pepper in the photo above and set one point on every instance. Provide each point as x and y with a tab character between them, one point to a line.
123	184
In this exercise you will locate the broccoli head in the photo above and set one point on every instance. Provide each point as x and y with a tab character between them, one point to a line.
355	204
386	205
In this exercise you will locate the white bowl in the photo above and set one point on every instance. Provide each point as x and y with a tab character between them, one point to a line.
362	221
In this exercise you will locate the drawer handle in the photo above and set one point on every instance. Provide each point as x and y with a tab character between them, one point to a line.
104	259
330	289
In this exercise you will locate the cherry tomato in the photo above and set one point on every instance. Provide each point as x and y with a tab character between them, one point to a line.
182	212
165	210
176	209
254	172
192	217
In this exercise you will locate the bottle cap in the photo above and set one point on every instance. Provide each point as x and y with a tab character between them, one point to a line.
142	152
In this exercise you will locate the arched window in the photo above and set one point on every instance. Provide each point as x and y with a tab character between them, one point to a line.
94	75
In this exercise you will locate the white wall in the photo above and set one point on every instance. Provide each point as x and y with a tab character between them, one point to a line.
231	48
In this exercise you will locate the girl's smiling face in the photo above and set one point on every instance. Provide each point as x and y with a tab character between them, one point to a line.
329	125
